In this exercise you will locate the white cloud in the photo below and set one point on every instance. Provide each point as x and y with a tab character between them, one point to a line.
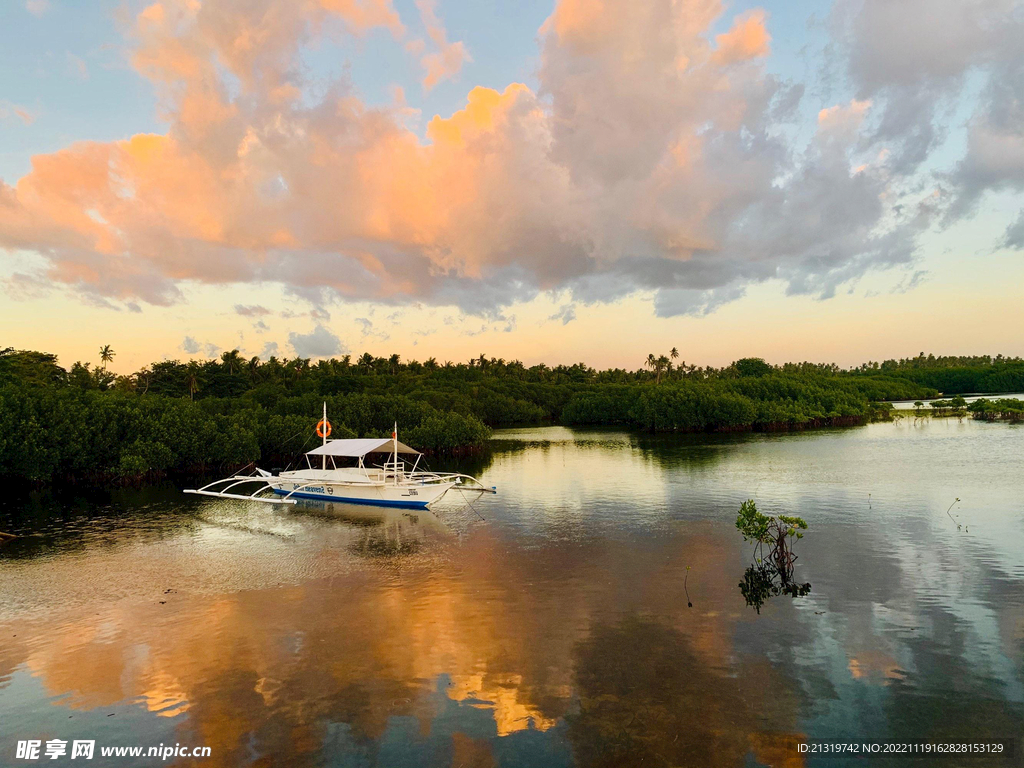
320	342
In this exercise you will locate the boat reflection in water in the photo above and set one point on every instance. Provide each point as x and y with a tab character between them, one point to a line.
384	532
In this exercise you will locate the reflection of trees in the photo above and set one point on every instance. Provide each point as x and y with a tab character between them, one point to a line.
474	463
762	581
667	450
686	451
646	698
70	518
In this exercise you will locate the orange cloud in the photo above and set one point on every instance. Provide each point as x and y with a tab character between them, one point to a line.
7	110
447	61
363	15
839	115
485	108
579	22
631	172
748	39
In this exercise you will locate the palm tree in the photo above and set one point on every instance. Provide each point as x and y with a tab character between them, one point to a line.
193	379
394	363
651	361
662	364
252	368
272	370
297	367
106	355
232	361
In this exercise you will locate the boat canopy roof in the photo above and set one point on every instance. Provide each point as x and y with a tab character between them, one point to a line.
360	447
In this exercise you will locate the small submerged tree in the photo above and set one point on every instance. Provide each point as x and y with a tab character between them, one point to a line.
771	573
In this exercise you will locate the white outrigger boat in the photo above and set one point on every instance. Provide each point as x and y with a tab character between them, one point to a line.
389	484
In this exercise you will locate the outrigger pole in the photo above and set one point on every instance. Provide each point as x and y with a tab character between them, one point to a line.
324	465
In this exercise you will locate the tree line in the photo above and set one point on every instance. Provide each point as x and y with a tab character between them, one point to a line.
954	375
86	421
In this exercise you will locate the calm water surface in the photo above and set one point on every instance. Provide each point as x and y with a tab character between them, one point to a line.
553	632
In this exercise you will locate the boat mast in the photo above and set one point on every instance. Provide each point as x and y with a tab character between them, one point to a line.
325	435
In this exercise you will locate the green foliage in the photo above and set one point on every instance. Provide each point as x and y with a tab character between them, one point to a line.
752	367
30	368
765	529
771	573
202	414
955	406
779	399
1004	408
794	523
448	432
67	432
752	524
955	374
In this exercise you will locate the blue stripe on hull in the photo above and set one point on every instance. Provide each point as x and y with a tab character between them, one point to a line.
346	500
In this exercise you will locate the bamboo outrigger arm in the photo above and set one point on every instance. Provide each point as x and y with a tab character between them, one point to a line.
207	490
478	486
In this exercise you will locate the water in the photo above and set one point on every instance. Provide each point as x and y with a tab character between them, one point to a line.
556	631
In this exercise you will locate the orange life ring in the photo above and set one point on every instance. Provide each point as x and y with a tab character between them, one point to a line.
323	428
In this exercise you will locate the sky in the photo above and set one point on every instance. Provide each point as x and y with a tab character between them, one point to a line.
580	180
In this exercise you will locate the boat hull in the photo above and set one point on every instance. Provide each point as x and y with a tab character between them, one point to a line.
417	497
